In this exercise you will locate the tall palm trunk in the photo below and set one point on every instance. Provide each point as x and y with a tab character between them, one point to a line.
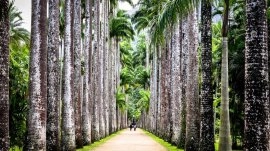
154	101
86	125
110	86
184	67
117	76
256	78
101	71
68	123
77	73
4	76
157	107
97	78
176	85
106	67
206	110
163	103
224	130
91	63
112	101
53	90
152	89
192	119
36	137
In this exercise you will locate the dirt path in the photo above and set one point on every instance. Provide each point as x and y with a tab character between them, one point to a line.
131	141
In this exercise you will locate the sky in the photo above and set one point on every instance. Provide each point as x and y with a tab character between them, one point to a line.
25	7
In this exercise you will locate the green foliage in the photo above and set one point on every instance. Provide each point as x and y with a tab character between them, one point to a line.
18	88
120	26
120	99
144	100
134	78
19	77
17	34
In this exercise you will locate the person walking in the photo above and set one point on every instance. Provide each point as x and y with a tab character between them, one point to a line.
130	127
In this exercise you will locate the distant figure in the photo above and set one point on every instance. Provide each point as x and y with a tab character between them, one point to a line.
130	127
135	127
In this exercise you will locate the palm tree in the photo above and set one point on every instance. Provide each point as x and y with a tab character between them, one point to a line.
192	117
17	33
176	91
86	125
113	75
101	72
4	74
77	73
224	130
96	73
120	27
36	137
256	78
207	118
106	66
184	75
53	89
68	123
173	12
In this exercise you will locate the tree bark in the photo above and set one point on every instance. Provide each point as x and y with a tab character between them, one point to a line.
86	125
101	71
106	67
224	130
4	76
97	79
68	122
176	85
192	119
37	116
53	90
184	67
206	110
77	73
256	78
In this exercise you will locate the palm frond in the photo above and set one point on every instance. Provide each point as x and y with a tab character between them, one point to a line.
172	12
121	27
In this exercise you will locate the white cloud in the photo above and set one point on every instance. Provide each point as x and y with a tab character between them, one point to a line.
25	7
126	6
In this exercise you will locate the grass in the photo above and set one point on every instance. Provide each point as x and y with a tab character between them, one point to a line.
98	143
167	145
15	148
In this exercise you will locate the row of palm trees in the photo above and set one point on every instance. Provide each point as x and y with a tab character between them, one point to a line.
74	72
179	111
182	113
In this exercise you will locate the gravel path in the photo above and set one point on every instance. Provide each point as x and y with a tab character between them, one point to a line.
131	141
